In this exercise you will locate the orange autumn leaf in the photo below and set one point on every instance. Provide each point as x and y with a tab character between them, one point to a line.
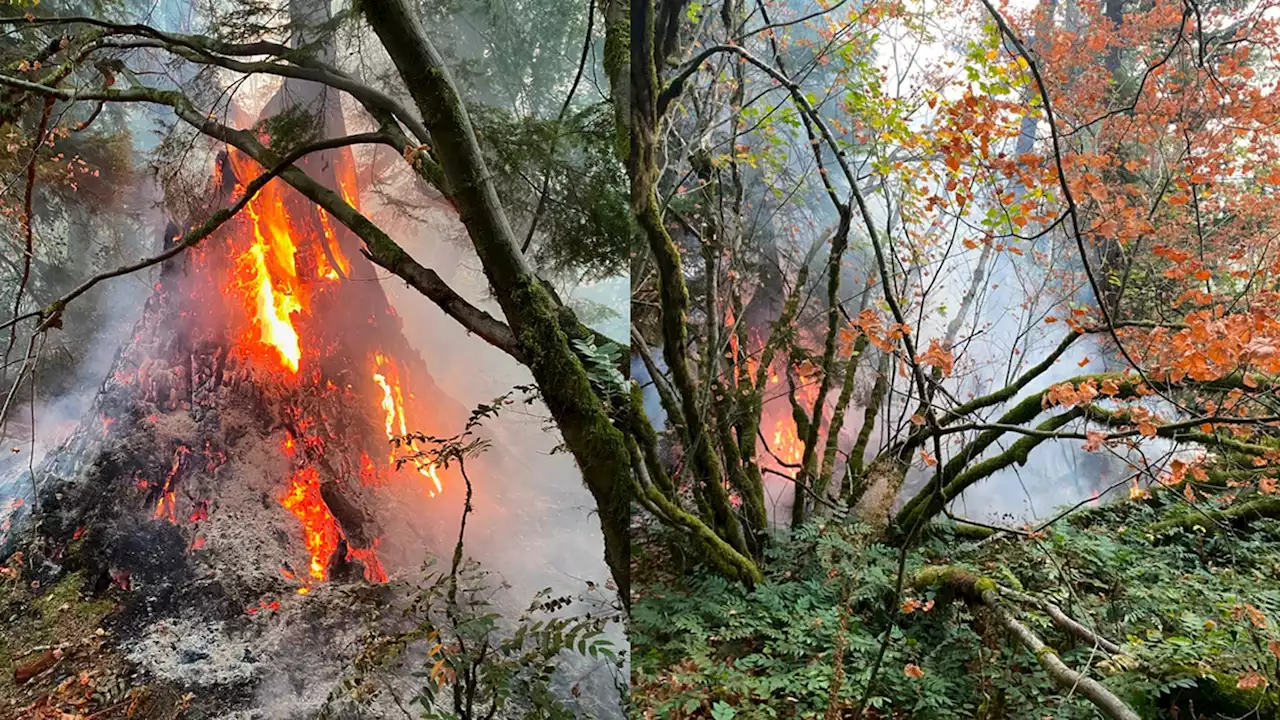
915	672
1249	681
938	357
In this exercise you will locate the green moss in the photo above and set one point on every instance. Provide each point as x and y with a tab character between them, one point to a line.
957	474
984	585
967	531
1221	692
67	593
1209	521
44	617
934	575
617	60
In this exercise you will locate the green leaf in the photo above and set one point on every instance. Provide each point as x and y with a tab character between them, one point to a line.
722	711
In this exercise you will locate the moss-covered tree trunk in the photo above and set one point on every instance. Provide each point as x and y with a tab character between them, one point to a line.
582	416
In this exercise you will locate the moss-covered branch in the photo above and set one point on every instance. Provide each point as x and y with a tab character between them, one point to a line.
809	472
957	474
837	417
1062	620
1210	521
726	559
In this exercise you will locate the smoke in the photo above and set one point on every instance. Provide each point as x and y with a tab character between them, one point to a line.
68	364
1005	298
533	522
532	519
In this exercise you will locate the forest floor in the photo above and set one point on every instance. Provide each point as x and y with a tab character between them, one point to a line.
1182	603
59	659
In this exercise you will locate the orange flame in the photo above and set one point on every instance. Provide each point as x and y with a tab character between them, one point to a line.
786	444
323	269
347	183
167	505
304	501
388	401
272	310
393	407
266	279
283	258
372	566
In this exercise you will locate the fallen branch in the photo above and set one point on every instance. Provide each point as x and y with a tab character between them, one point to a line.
1062	620
983	591
25	672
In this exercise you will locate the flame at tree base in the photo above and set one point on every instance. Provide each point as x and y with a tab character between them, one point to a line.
277	283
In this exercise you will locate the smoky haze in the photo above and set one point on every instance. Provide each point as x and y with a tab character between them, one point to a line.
1005	299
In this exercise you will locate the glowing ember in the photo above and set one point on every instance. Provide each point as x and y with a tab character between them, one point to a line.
304	501
166	506
369	476
372	567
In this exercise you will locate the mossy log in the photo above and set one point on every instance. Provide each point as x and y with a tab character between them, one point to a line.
1222	693
1210	521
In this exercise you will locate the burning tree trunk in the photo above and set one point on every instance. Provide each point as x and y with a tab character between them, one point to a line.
239	454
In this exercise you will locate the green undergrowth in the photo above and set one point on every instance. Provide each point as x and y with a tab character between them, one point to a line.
1197	615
